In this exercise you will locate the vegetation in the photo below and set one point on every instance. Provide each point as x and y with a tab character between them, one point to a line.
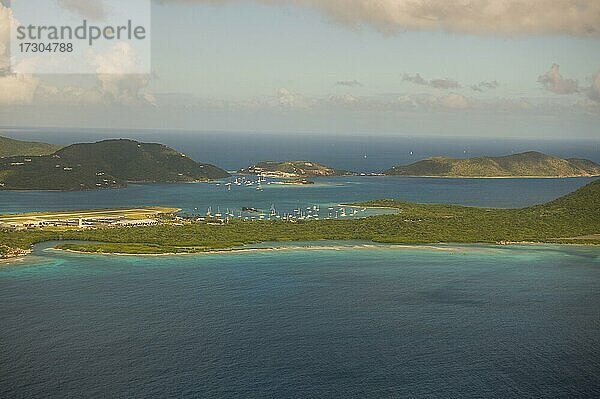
106	164
574	218
528	164
293	169
11	147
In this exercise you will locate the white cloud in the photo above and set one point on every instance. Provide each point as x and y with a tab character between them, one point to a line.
344	99
435	83
113	72
417	79
68	95
112	83
14	89
452	101
444	84
485	86
348	83
17	89
91	9
554	82
5	23
594	91
570	17
120	59
287	99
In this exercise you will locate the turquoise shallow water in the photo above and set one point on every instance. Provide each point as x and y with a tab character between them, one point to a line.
366	322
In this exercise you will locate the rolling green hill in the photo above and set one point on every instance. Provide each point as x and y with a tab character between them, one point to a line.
292	169
11	147
106	164
528	164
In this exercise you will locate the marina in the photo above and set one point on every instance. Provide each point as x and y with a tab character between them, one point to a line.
313	212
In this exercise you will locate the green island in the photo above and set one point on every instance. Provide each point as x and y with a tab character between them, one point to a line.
293	169
571	219
528	164
115	163
101	165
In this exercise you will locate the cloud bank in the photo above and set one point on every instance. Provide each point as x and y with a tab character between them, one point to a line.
110	86
554	82
435	83
594	91
504	17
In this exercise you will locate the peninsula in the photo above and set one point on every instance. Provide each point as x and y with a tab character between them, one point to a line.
105	164
528	164
574	218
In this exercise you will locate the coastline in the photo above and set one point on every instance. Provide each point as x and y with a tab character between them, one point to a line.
16	253
442	247
447	247
569	220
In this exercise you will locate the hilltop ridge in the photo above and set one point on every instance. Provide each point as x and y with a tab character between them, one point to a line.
104	164
12	147
527	164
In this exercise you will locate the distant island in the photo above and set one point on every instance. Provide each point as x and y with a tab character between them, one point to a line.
292	170
528	164
11	147
574	219
105	164
115	163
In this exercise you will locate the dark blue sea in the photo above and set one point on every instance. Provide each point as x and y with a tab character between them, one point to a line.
327	320
352	321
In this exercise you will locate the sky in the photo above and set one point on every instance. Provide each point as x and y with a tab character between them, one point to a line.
483	68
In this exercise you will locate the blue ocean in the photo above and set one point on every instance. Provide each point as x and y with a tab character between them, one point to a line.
352	321
310	320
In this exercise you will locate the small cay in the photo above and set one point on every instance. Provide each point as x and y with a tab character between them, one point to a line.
293	170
